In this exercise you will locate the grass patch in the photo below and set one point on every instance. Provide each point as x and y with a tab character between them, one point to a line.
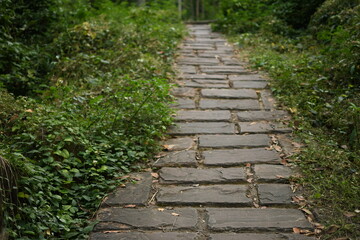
326	119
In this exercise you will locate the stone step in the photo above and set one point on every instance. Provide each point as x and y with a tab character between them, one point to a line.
177	159
256	127
251	116
205	116
213	195
193	128
116	218
234	141
202	176
229	93
256	220
143	236
272	173
258	236
275	194
219	104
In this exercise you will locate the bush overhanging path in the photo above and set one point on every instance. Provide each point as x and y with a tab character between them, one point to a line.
222	170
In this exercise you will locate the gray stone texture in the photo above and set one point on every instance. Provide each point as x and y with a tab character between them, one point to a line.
259	236
256	127
229	93
246	77
183	92
255	219
148	218
272	173
233	141
184	103
205	116
187	69
250	116
205	77
250	84
181	143
223	70
229	104
234	195
143	236
196	175
267	100
206	84
174	159
198	61
192	128
275	194
236	157
134	193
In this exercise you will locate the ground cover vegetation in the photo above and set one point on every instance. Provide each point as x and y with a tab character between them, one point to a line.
312	50
84	94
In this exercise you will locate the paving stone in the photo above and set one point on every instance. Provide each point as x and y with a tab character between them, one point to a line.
198	61
223	69
178	144
187	69
196	175
220	104
205	77
206	85
219	53
204	81
229	93
272	173
233	141
231	61
148	218
255	219
184	103
275	194
204	116
212	54
143	236
183	92
134	193
198	48
236	157
259	236
204	195
267	100
174	159
250	116
191	128
256	127
250	84
246	77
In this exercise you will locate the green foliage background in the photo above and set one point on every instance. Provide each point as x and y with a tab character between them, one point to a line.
84	96
311	50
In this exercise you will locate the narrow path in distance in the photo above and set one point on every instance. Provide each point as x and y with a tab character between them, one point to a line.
222	175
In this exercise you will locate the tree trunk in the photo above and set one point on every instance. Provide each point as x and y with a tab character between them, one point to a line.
197	9
141	3
180	8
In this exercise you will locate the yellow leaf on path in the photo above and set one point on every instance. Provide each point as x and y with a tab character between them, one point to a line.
155	175
130	206
168	147
161	209
175	214
296	230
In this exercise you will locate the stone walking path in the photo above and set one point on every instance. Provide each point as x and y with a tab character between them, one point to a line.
221	175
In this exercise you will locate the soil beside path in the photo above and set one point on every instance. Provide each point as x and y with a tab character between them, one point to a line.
222	175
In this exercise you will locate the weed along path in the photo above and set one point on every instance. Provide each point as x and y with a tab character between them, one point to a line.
223	174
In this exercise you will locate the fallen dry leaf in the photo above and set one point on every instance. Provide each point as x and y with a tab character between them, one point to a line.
307	211
122	185
29	110
319	226
332	229
130	206
161	209
168	147
175	214
155	175
279	176
296	230
248	165
284	162
349	214
277	148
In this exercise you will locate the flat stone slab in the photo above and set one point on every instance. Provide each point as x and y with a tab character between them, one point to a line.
275	194
212	81
205	116
236	157
147	218
249	116
259	236
211	54
134	193
229	93
250	84
223	70
246	77
196	175
233	141
255	219
229	104
204	195
268	100
184	92
184	103
256	127
177	144
198	61
191	128
272	173
174	159
187	69
205	77
206	84
143	236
